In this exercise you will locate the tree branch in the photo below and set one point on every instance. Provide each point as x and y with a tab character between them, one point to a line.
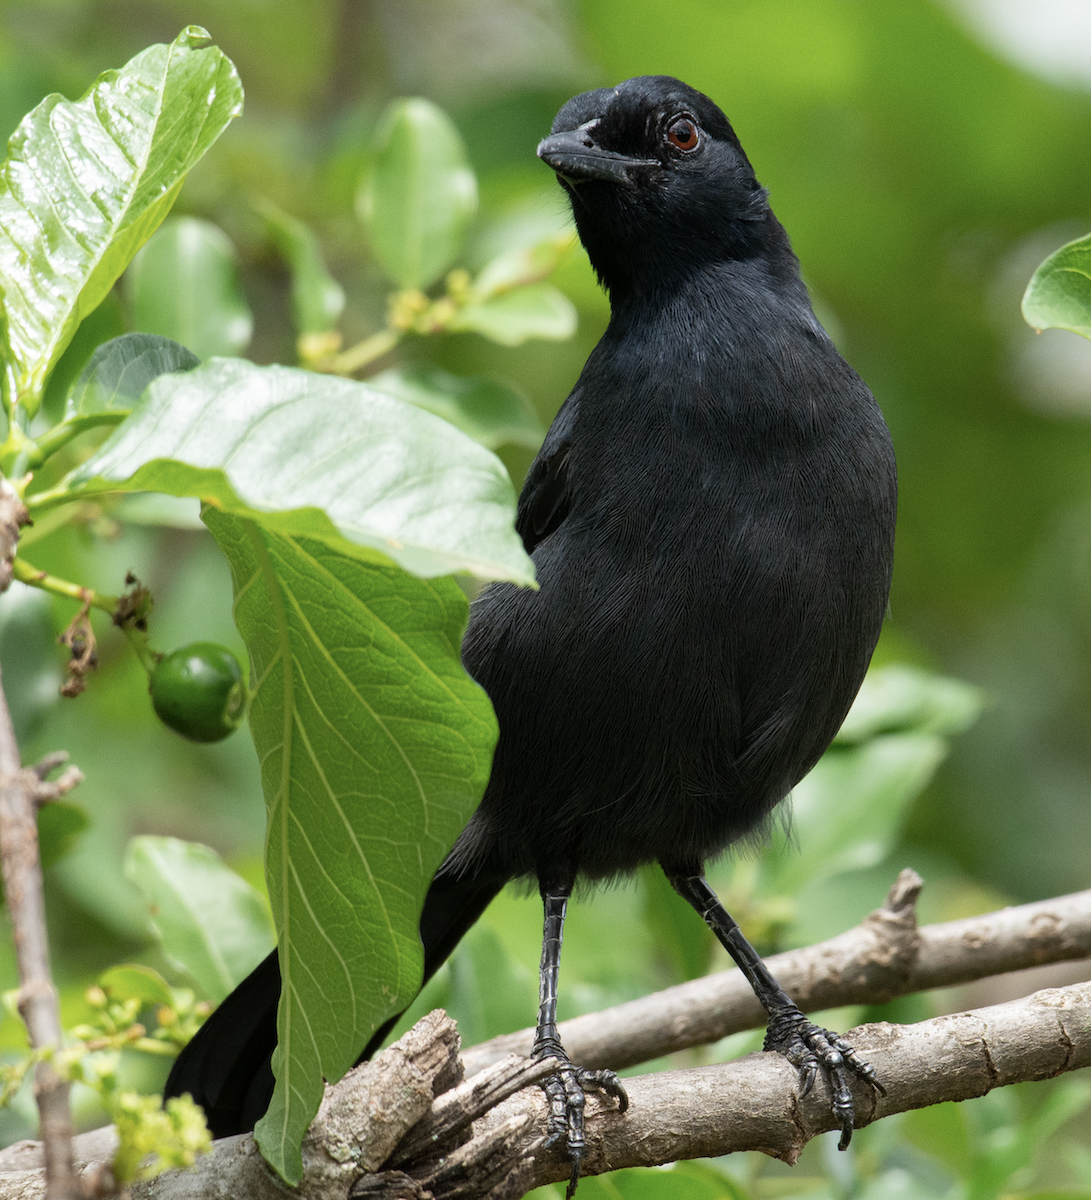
13	516
380	1136
382	1153
21	791
883	957
753	1103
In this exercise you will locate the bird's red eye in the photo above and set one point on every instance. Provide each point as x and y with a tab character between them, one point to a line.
683	134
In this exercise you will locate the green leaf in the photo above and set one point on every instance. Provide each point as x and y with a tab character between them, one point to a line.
28	651
901	697
59	825
1059	293
119	370
848	812
492	413
489	992
322	457
86	183
680	1181
153	508
105	323
419	195
212	924
523	265
317	298
375	748
684	943
184	285
1009	1148
132	981
536	311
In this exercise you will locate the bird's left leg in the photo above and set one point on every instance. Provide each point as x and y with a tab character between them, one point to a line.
566	1089
807	1046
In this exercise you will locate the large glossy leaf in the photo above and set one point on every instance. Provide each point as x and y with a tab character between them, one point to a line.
418	195
1059	293
491	413
87	182
212	924
184	285
119	370
318	456
375	746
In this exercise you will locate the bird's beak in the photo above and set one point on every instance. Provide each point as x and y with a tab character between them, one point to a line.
576	158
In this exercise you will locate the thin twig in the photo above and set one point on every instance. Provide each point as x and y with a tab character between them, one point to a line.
33	577
362	353
21	791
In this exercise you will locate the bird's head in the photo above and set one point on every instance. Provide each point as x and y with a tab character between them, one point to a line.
658	181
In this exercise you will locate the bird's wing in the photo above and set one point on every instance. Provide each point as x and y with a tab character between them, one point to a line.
544	500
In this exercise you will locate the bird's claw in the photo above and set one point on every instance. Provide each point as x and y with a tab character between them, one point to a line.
566	1094
809	1048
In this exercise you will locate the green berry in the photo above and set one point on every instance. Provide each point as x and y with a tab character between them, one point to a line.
198	691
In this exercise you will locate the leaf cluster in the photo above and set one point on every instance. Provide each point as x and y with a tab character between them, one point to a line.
174	1133
341	508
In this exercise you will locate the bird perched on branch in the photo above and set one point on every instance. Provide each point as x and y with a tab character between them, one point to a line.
711	518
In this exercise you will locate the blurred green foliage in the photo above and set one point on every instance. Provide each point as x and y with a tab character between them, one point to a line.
922	176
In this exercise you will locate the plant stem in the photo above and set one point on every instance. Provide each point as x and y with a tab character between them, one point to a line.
27	574
364	352
48	524
60	435
42	502
149	658
18	449
13	516
7	391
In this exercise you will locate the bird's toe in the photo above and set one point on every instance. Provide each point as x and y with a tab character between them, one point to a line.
812	1049
566	1095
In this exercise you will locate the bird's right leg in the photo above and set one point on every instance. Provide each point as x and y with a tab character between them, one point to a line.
564	1090
809	1047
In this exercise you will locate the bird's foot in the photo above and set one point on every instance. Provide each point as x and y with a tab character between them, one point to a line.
810	1048
566	1095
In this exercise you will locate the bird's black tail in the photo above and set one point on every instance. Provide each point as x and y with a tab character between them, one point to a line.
227	1067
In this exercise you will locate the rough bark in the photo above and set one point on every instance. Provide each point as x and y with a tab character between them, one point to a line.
21	791
883	957
750	1104
13	516
406	1127
753	1103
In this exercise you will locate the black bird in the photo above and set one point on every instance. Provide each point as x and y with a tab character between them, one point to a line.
711	517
